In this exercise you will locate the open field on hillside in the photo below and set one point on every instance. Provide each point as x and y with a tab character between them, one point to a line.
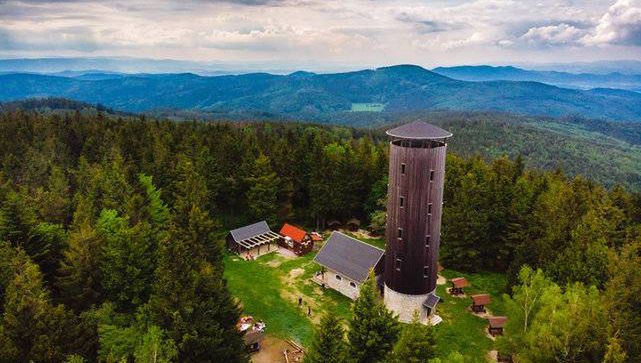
269	287
367	107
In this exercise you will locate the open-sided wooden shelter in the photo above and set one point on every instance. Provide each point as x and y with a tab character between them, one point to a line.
496	324
479	301
253	240
458	283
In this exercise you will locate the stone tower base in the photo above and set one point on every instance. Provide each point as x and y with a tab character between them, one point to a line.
405	305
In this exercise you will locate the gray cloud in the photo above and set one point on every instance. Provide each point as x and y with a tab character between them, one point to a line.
355	31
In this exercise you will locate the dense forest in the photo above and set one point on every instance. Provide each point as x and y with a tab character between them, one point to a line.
113	231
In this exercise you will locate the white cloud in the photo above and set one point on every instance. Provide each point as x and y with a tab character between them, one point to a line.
361	32
620	25
560	34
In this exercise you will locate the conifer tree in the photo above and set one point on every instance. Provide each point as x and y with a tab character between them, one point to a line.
415	344
329	342
373	329
263	191
78	281
190	299
32	328
614	352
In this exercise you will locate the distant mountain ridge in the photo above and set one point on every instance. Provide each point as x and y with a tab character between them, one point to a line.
319	97
561	79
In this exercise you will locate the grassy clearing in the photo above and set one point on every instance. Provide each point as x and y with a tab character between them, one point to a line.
461	331
269	288
368	107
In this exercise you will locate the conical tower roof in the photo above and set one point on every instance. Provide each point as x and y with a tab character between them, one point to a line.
419	130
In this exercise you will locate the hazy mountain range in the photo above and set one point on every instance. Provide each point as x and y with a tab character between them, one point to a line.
318	97
561	79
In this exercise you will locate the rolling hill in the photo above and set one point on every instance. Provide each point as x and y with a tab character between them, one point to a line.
325	97
560	79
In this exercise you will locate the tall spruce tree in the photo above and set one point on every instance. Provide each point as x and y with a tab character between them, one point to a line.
79	282
32	328
190	300
329	342
263	190
373	329
415	344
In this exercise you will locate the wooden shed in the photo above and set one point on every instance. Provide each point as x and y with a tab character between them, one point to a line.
496	324
353	224
334	225
296	239
479	301
458	283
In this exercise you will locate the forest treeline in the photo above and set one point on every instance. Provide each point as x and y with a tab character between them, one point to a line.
112	229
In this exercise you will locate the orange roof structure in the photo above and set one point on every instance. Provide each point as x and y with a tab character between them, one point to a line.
293	232
481	299
460	282
497	321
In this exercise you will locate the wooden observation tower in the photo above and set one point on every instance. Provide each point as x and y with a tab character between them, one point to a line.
414	210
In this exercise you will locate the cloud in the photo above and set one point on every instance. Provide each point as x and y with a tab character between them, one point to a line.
559	34
620	25
355	32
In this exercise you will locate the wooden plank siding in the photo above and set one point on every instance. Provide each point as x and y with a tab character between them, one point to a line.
414	185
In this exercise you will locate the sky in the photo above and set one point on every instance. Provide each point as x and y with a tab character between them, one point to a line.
326	33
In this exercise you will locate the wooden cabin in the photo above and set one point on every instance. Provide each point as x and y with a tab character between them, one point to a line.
253	240
353	224
296	239
334	225
458	283
496	324
346	262
479	301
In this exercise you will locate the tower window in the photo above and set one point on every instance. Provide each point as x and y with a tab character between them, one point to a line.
402	168
429	208
428	239
400	233
426	271
398	262
431	175
402	202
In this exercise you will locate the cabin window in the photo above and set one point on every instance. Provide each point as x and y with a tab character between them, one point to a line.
352	284
427	241
400	233
402	168
338	278
429	208
426	271
402	202
431	175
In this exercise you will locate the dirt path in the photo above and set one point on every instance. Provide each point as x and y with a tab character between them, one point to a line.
272	352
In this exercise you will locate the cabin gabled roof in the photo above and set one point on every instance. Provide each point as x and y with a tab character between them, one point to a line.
497	321
460	282
250	231
349	256
293	232
481	299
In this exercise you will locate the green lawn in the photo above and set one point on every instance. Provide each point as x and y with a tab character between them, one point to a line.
367	107
269	288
